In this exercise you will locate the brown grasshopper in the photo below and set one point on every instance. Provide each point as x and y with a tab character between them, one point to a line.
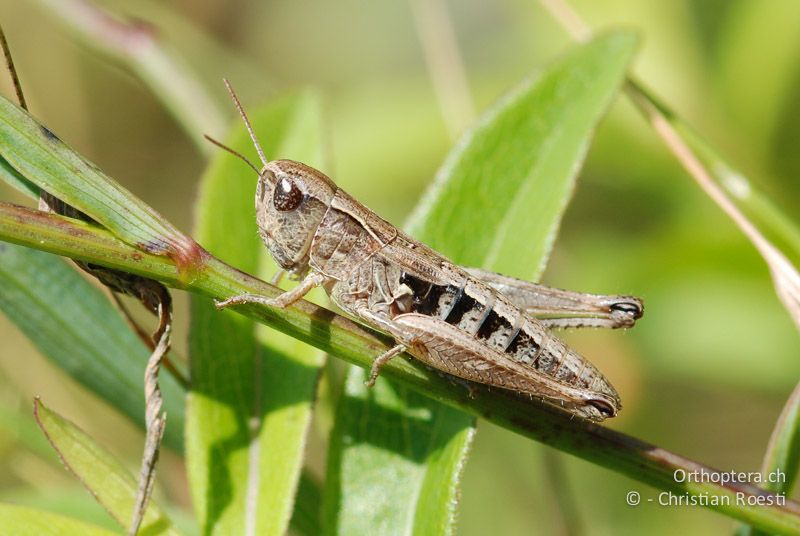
469	323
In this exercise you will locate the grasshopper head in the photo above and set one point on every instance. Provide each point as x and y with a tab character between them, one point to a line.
291	200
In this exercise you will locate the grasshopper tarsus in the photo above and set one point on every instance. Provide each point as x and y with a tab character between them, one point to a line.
239	300
381	360
280	301
243	299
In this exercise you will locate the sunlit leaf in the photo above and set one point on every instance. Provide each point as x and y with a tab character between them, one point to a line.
11	176
252	387
101	474
23	521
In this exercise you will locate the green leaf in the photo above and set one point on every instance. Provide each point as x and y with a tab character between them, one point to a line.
12	177
252	387
74	325
783	452
71	500
59	311
38	155
307	508
496	204
782	459
497	201
104	477
394	461
22	521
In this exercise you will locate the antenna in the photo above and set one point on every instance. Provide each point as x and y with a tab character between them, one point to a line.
12	70
234	153
242	113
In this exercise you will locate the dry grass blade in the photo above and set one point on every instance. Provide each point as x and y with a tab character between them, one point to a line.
785	277
702	164
155	419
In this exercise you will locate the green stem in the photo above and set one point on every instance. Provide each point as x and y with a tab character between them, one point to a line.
358	345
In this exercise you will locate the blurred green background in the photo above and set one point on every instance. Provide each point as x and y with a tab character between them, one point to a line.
706	371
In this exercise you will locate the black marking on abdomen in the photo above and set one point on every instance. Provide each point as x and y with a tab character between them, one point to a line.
419	287
457	307
429	299
463	304
523	347
492	323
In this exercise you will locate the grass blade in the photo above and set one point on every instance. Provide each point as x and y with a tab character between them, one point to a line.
104	477
22	521
782	456
11	176
308	505
755	216
522	158
38	155
253	388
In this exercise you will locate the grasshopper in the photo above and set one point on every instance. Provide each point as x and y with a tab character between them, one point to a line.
472	324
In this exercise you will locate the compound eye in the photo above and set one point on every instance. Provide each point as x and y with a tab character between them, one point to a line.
287	195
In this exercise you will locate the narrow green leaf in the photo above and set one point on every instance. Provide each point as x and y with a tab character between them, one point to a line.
782	458
38	155
104	477
70	500
74	325
307	508
394	461
783	452
775	236
496	204
252	387
759	210
11	176
22	521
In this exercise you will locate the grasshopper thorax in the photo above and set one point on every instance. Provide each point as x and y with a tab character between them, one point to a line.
291	200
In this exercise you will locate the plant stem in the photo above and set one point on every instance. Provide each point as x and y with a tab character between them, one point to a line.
358	345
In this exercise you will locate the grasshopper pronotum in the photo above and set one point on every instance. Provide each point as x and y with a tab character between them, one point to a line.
472	324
